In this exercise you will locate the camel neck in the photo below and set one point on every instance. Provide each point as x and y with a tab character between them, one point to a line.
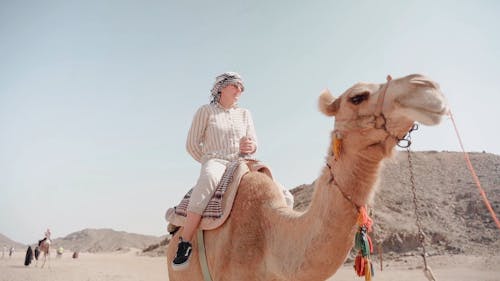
330	220
356	178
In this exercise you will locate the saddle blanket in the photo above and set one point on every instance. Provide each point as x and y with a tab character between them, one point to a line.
219	206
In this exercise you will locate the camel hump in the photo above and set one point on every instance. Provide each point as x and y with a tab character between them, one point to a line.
41	241
257	166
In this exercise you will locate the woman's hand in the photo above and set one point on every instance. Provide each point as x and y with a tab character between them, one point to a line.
247	145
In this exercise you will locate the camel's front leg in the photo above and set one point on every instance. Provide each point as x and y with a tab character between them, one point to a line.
45	257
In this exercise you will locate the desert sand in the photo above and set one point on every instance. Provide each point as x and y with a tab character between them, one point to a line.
130	266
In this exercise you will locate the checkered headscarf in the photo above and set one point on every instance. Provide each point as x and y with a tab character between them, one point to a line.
224	80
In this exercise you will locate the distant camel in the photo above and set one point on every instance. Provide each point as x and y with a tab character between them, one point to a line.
44	245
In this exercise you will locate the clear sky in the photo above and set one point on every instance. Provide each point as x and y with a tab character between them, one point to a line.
96	97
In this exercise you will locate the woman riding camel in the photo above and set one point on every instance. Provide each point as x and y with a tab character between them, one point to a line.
46	238
221	132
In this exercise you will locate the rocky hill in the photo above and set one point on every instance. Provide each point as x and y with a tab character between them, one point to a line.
7	242
104	240
454	217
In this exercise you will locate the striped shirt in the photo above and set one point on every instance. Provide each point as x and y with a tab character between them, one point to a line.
216	132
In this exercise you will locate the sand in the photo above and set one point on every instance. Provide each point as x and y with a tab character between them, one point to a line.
88	267
131	267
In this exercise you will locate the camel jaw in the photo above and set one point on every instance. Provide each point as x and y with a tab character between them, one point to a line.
428	107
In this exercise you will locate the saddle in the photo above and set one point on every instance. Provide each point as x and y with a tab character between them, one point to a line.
220	205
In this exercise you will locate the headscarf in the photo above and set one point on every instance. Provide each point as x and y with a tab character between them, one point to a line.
224	80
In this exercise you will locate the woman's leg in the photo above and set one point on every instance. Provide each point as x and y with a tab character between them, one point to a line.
192	222
210	176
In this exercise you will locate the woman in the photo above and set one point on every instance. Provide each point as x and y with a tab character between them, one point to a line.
221	132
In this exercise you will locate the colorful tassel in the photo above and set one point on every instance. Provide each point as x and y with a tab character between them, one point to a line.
364	219
363	244
368	270
359	265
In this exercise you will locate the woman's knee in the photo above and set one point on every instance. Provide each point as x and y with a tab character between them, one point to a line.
213	170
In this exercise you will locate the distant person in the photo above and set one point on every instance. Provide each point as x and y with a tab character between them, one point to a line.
46	238
75	254
60	252
29	256
11	251
37	252
220	132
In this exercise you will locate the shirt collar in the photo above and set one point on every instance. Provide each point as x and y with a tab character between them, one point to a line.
218	105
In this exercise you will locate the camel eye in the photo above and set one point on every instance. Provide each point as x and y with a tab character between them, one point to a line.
359	98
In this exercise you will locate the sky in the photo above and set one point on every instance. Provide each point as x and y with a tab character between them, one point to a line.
96	97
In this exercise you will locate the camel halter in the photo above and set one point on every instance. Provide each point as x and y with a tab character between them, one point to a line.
379	121
380	101
403	142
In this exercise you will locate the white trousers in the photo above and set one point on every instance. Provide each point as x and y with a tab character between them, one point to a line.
211	173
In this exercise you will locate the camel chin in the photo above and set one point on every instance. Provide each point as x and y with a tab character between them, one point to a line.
427	107
425	117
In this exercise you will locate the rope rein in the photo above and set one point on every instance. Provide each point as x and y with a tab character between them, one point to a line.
474	175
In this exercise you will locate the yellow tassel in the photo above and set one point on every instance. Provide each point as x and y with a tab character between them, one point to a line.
337	147
368	270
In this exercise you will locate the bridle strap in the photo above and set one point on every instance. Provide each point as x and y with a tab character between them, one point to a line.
332	180
381	98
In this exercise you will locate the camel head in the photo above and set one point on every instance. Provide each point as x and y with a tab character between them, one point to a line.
372	116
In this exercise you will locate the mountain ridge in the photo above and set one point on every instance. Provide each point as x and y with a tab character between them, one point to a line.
104	240
96	240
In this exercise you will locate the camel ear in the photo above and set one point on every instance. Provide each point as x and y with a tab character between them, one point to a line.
328	104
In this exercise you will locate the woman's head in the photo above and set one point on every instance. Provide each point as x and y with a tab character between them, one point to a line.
224	80
229	95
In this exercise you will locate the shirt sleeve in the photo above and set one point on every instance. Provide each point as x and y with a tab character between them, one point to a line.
196	135
251	130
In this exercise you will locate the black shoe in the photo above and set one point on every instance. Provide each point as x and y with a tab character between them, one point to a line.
181	260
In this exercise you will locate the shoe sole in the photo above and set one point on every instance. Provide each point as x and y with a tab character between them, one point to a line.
179	267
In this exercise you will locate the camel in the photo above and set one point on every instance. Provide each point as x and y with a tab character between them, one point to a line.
44	246
263	239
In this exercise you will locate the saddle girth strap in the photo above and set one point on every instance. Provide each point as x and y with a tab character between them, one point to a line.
203	256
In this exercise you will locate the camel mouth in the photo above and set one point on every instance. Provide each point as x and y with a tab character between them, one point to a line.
427	108
434	117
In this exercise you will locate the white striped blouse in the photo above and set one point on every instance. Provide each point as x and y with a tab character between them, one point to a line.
216	132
